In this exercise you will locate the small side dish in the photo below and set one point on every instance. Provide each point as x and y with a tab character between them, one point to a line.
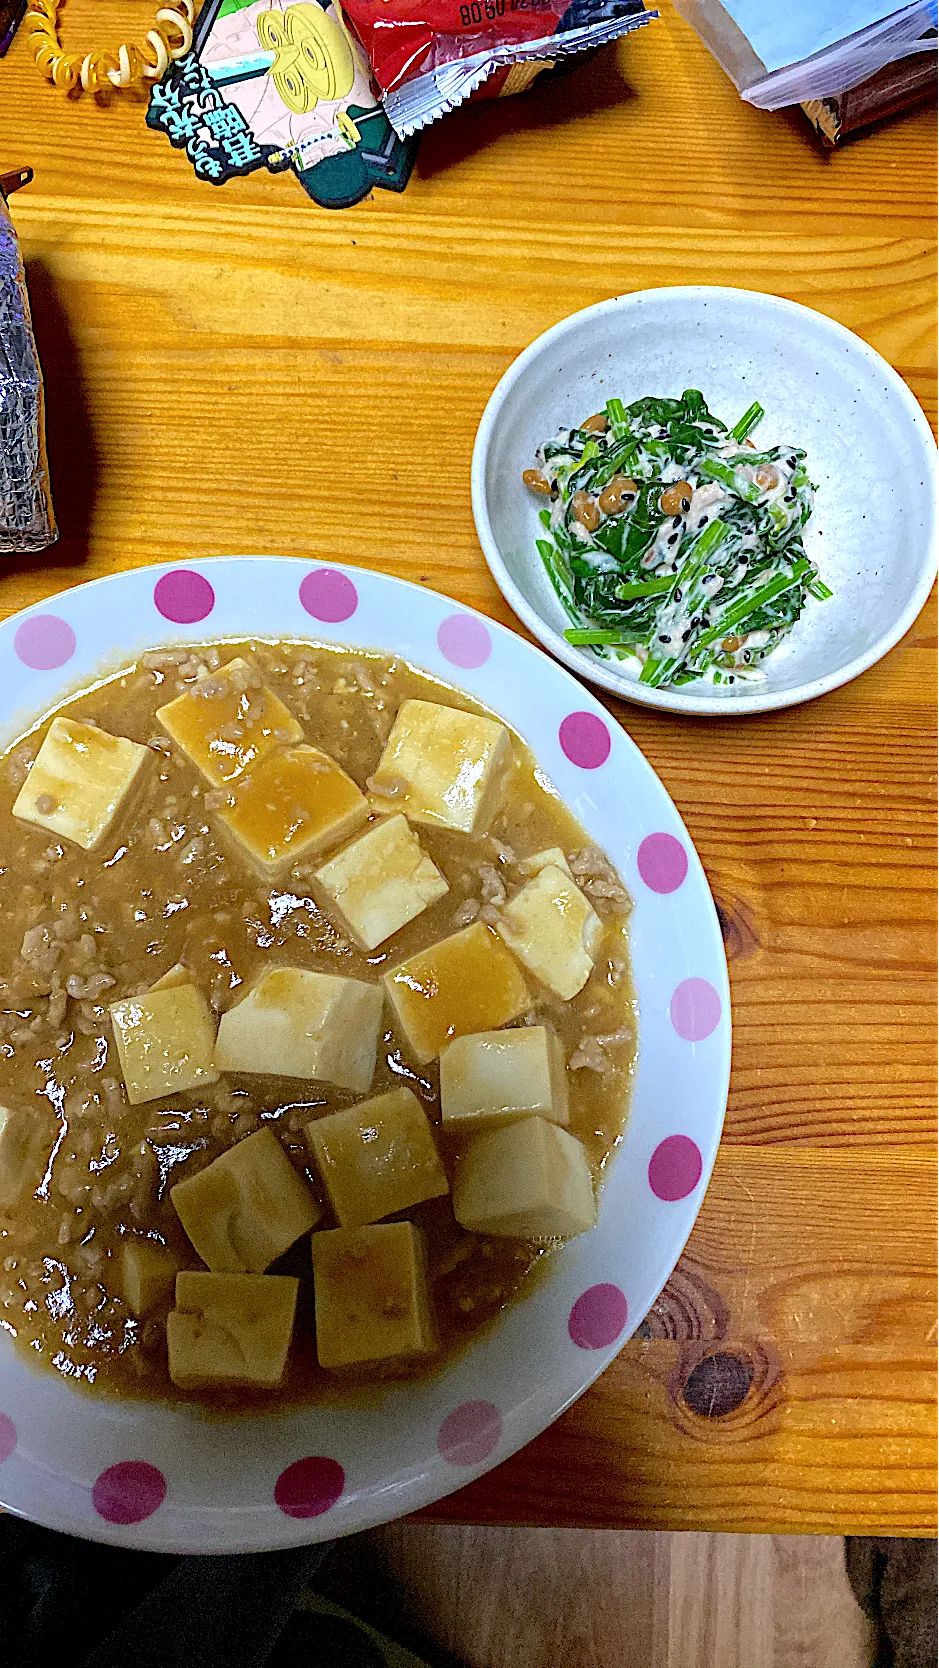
316	1025
674	544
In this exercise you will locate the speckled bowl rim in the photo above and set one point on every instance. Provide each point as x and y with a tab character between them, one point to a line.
601	673
149	1476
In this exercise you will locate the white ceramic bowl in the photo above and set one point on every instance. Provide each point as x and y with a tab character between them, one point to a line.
874	532
152	1476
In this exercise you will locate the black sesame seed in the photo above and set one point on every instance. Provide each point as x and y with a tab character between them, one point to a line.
673	538
686	504
685	636
677	521
747	656
730	680
789	498
663	637
703	520
791	462
678	596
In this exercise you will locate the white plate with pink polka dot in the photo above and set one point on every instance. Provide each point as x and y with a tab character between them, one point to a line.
149	1476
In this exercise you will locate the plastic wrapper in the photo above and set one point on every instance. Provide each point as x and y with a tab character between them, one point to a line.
430	55
778	59
27	521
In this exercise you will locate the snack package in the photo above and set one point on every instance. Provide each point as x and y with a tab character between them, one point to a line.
280	84
27	522
429	55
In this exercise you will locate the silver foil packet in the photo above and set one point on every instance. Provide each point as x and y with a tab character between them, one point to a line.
27	519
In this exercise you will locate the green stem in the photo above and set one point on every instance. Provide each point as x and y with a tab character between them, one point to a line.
617	418
817	588
550	556
656	672
745	606
587	636
714	535
645	588
659	671
698	558
748	422
714	469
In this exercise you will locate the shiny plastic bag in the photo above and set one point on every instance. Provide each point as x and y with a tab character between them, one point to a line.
429	55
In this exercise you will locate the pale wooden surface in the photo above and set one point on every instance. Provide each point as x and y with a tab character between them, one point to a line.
236	370
543	1598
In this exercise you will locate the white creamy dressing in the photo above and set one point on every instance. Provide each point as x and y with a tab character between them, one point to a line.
662	552
562	439
709	499
671	472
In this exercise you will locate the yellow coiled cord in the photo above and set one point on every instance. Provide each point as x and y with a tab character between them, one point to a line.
99	69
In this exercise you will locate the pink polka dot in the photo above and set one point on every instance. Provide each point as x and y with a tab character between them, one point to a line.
695	1009
329	596
464	641
469	1434
7	1437
585	740
183	596
44	641
662	862
309	1487
675	1168
129	1492
598	1317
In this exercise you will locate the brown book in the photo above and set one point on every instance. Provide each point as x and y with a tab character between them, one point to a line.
898	86
12	13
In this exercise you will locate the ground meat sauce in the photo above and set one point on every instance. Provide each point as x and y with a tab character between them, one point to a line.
85	928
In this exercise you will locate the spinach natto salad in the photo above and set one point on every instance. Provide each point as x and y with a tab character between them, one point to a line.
675	543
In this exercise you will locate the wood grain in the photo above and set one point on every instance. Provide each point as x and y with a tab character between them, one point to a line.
235	370
536	1598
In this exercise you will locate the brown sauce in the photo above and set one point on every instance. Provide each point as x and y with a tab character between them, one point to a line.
82	929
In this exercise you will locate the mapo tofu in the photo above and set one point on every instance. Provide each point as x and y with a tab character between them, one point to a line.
316	1025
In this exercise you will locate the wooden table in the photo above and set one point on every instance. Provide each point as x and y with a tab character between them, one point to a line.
237	370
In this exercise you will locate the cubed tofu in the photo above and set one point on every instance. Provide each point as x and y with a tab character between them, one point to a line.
554	930
380	883
297	803
26	1141
228	721
295	1023
370	1293
166	1042
496	1076
148	1275
231	1330
377	1158
173	977
529	1179
467	982
247	1208
80	779
443	766
553	856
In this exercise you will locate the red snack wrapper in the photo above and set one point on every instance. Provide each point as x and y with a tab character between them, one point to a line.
430	55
